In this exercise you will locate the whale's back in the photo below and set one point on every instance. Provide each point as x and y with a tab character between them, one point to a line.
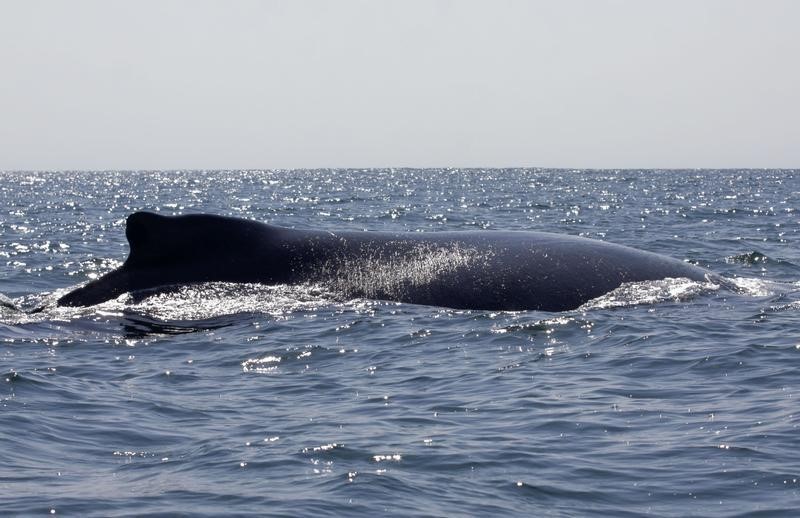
470	270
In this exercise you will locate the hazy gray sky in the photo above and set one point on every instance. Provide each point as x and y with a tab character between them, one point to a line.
164	84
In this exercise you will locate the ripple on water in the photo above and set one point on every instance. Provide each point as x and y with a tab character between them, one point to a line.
670	398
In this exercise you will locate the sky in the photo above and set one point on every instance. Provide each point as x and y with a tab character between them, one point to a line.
238	84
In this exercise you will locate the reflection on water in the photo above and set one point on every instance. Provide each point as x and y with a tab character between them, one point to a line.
669	398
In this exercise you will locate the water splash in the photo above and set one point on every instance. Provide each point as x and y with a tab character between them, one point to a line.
755	287
210	300
747	258
651	292
379	274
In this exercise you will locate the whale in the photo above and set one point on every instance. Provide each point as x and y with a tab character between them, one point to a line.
473	270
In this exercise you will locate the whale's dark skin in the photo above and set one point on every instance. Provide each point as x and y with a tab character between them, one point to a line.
486	270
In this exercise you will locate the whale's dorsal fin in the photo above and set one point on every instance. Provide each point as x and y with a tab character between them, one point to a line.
157	243
154	238
149	236
161	240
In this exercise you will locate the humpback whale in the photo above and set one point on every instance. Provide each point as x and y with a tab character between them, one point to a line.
482	270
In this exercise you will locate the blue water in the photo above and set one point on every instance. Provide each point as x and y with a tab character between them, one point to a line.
670	398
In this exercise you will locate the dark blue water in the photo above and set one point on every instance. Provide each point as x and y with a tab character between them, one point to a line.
670	398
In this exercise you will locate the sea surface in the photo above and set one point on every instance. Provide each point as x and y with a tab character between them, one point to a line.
668	398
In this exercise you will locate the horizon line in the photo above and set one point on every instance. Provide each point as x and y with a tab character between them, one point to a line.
390	168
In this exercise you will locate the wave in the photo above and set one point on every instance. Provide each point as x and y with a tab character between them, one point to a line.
179	309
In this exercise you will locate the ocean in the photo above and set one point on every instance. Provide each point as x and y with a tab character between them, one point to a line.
666	398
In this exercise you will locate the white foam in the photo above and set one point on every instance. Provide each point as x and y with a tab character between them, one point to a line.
651	292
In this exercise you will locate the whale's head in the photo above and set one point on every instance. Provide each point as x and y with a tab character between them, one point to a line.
170	250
